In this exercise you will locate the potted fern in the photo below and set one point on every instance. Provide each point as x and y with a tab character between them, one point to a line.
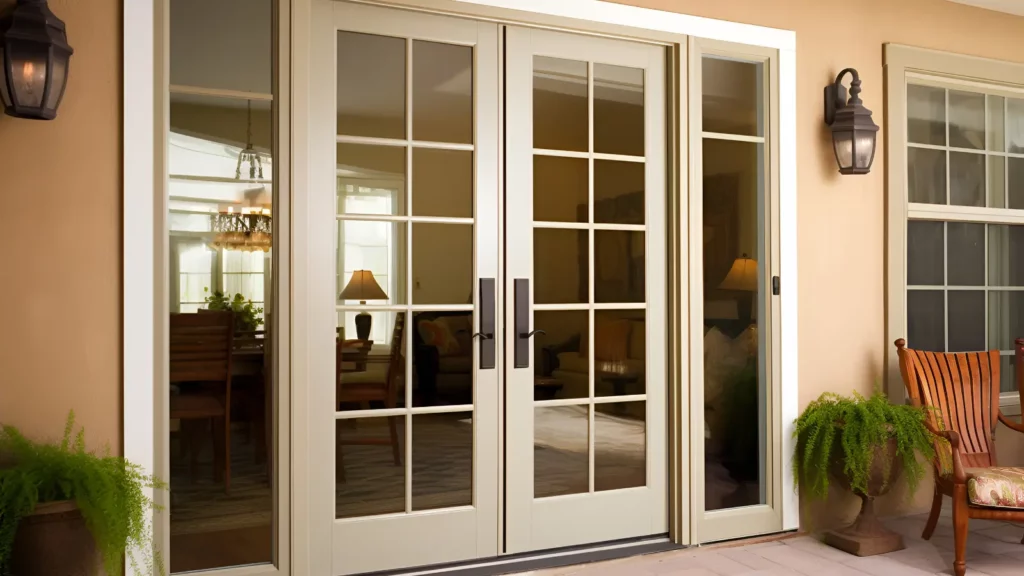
65	510
248	317
863	444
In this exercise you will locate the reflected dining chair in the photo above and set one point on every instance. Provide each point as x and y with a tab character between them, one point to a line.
362	387
200	347
962	392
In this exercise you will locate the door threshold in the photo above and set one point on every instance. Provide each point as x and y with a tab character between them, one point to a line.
558	557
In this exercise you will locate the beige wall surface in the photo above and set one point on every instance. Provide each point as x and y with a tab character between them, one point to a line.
841	219
60	226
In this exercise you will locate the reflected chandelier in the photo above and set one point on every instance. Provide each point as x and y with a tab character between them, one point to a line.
248	230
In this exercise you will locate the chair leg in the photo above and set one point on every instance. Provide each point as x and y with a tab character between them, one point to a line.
395	452
227	454
960	521
933	518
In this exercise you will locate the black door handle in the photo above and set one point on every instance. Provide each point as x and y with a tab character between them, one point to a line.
486	333
522	323
531	333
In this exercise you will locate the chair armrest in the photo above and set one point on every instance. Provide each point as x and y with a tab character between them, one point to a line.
959	475
1010	423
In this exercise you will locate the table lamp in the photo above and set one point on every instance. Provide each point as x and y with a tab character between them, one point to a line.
743	277
362	286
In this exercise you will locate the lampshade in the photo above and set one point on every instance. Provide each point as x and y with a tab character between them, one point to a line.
363	286
742	275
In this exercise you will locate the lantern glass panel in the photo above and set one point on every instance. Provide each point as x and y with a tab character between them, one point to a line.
58	79
28	62
843	143
5	96
864	148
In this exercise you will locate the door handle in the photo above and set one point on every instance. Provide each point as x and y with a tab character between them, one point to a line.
522	323
486	333
531	333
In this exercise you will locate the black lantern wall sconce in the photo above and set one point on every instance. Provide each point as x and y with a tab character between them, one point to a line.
853	132
34	55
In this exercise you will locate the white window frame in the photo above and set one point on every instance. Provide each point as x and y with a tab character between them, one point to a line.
304	545
903	65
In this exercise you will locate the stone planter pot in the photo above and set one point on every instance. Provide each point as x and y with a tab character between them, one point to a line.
54	541
867	536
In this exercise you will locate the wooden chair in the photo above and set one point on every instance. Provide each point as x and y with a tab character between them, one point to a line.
200	355
963	391
354	388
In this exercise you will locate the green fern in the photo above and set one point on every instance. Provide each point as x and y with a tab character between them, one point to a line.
859	425
110	492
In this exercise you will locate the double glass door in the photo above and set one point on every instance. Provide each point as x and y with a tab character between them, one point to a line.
498	357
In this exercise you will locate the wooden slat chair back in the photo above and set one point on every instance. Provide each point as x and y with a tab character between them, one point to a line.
200	349
962	392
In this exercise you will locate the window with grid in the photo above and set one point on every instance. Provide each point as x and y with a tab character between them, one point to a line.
195	276
242	273
965	228
367	246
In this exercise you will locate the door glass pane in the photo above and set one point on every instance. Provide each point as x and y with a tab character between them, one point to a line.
371	179
442	263
966	254
560	264
925	257
442	355
926	320
369	469
561	356
370	371
560	110
996	123
442	183
1005	318
220	288
966	120
442	460
966	320
1005	256
619	266
561	450
966	179
1015	182
997	182
1015	125
926	175
618	110
618	192
620	352
926	115
735	407
732	96
370	270
371	85
442	92
620	445
1008	374
560	189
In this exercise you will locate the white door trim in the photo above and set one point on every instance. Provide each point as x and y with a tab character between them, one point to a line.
145	69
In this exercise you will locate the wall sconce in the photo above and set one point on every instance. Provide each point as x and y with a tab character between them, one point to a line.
34	55
853	131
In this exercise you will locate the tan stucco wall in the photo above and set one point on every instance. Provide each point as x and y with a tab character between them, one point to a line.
60	228
841	220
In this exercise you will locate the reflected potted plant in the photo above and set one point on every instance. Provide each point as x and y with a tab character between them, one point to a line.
248	317
67	511
863	444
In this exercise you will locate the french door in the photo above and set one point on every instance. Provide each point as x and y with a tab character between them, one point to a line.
495	378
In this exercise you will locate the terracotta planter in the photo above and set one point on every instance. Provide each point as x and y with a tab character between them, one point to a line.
54	541
867	536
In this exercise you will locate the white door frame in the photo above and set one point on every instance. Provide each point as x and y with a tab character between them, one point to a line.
145	67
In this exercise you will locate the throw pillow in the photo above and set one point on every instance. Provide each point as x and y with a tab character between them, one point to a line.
437	334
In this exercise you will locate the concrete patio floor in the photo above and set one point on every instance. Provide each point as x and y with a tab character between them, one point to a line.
993	549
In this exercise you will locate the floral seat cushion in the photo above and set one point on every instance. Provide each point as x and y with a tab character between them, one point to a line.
996	487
